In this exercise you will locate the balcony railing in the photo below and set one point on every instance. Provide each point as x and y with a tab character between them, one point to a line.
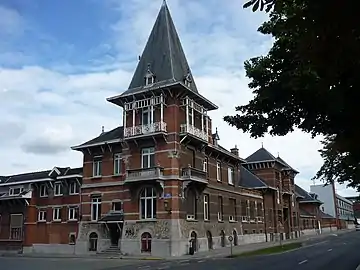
145	129
190	173
144	174
187	128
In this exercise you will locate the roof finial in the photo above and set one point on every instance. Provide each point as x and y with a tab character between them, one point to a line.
164	3
262	145
102	129
278	154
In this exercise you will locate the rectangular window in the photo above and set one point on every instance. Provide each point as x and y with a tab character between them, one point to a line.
243	210
205	164
218	171
73	188
232	205
117	164
58	189
260	209
16	224
95	208
231	175
73	213
42	215
146	116
97	164
191	118
206	207
252	211
148	157
116	206
15	191
221	208
43	191
57	214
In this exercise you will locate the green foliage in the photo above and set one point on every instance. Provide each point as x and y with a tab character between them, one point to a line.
308	80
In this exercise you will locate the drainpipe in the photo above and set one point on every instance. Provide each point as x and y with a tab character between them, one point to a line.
264	210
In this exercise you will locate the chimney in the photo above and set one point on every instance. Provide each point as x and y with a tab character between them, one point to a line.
235	151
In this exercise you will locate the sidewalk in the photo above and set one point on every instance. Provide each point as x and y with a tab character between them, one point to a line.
219	253
223	252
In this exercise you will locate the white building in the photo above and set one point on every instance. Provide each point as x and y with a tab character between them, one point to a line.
331	203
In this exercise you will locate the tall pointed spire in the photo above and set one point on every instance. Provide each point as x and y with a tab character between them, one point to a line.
164	53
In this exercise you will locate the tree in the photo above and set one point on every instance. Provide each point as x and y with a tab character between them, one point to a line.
309	80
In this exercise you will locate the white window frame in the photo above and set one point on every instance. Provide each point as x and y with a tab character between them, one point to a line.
218	171
205	164
221	208
58	189
97	164
147	152
42	215
206	207
293	200
95	201
74	188
114	203
43	191
149	80
11	190
72	213
231	173
145	197
278	196
57	214
117	164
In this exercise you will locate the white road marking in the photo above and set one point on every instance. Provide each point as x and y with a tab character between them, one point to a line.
304	261
201	261
330	249
164	267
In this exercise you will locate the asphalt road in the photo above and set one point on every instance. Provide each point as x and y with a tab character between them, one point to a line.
331	253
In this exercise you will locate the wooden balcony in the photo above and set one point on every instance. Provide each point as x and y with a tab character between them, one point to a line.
194	174
194	131
145	130
144	174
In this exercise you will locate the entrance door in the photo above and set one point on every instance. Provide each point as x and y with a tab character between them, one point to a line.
115	233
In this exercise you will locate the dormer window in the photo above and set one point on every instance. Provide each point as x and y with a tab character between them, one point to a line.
149	76
15	191
149	80
188	80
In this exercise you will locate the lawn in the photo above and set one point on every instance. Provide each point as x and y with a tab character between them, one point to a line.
267	251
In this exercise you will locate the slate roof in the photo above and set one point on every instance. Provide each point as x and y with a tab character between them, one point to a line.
164	57
163	54
30	176
305	213
250	180
113	216
306	197
114	135
262	155
325	216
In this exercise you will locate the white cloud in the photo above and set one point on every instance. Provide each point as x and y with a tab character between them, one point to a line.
46	110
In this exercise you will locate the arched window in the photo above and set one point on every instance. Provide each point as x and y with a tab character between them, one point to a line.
93	239
146	242
148	203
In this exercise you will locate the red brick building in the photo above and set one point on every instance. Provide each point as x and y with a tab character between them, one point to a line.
161	184
39	211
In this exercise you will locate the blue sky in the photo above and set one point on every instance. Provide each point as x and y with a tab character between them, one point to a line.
60	60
